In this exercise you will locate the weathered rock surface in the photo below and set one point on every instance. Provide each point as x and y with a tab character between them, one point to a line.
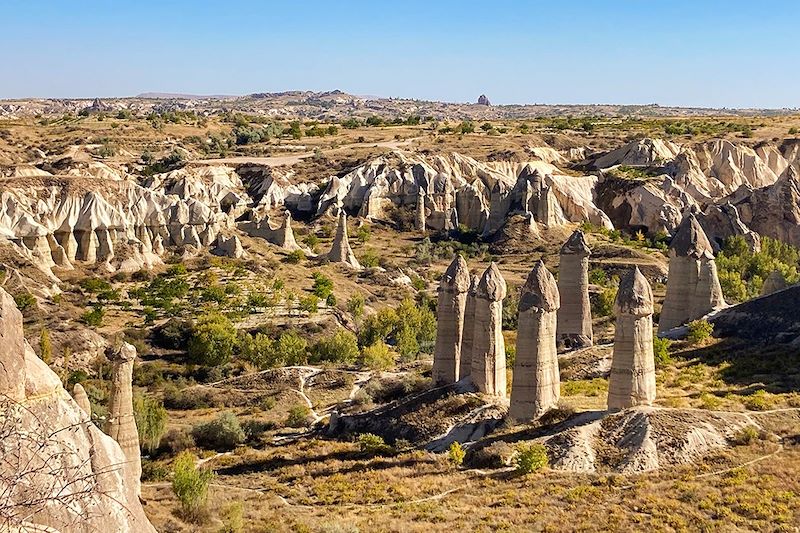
488	369
468	334
57	469
82	399
633	373
450	311
340	249
536	382
774	282
693	288
575	314
121	424
229	247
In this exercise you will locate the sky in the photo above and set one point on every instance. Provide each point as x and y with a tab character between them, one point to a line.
671	52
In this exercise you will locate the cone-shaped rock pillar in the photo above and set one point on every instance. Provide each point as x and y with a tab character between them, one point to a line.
575	315
468	336
340	250
488	369
420	214
774	282
633	373
693	287
121	425
82	399
451	307
536	385
285	234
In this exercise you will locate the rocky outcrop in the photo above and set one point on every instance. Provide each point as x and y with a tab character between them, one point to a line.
121	424
229	247
633	374
57	469
419	220
536	382
450	310
575	314
693	288
488	369
82	399
468	334
340	249
282	236
774	282
483	100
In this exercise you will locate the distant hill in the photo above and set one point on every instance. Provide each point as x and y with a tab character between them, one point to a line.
181	96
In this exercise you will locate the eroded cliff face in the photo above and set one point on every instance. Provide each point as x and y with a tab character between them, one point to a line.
57	469
67	212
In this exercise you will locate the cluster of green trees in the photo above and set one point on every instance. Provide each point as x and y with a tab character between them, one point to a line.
742	272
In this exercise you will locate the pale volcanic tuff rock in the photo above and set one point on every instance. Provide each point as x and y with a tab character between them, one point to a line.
468	334
775	282
420	214
693	288
261	226
488	369
536	382
633	374
340	249
229	247
82	399
57	469
575	314
121	424
450	310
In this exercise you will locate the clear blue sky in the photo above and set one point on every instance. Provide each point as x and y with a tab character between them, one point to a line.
673	52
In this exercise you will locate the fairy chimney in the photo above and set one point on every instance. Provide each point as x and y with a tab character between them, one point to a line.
468	336
340	250
420	216
121	425
693	288
536	381
451	307
633	373
575	315
488	369
82	399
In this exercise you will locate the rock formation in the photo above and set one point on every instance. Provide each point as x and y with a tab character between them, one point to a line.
774	282
483	100
575	315
340	249
468	335
121	425
536	381
450	309
57	469
633	374
420	211
82	399
693	288
229	247
488	369
282	236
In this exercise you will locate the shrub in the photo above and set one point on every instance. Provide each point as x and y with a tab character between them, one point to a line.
298	416
154	470
603	302
369	259
233	518
94	317
177	440
341	347
377	356
295	257
309	304
222	434
456	454
759	401
372	444
699	331
151	421
530	458
746	435
598	276
190	485
213	340
323	285
174	334
355	305
45	348
363	234
661	351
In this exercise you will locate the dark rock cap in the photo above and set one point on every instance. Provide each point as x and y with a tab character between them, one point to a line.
634	295
540	290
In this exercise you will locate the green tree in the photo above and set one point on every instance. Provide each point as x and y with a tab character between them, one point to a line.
151	421
323	285
190	485
377	356
355	305
213	340
341	347
45	348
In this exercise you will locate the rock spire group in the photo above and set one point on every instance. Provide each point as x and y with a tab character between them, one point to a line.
451	308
